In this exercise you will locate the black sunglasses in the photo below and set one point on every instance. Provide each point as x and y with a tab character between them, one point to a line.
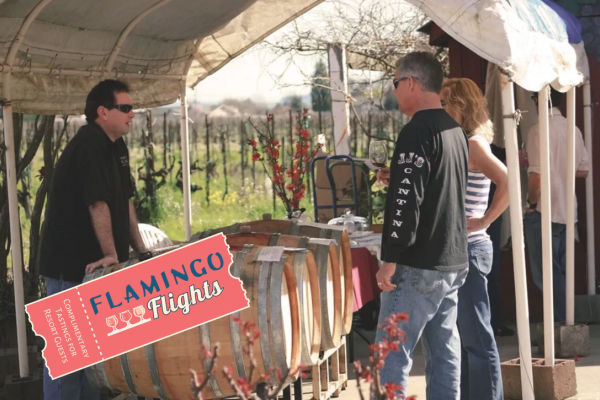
398	80
124	108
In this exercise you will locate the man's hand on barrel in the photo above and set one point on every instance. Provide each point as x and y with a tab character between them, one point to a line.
108	260
384	276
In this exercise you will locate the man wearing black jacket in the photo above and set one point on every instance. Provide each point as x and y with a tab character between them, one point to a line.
90	220
424	240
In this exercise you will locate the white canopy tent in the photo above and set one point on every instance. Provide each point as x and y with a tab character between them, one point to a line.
529	41
55	51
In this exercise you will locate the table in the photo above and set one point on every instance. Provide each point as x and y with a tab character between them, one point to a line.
364	269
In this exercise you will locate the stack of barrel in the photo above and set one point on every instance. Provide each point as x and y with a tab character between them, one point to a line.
301	302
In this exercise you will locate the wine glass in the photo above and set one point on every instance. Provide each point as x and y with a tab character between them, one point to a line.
378	153
139	312
112	321
125	317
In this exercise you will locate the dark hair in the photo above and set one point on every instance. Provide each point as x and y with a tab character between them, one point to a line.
555	99
425	68
103	94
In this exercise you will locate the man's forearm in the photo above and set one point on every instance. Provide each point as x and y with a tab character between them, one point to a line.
533	188
102	224
135	238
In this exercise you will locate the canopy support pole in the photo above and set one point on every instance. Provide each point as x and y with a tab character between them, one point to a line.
570	189
11	184
516	222
589	189
15	228
546	204
338	74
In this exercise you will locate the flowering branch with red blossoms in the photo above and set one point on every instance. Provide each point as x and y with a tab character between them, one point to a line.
378	354
248	388
290	190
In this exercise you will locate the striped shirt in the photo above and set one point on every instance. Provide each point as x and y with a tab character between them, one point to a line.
476	202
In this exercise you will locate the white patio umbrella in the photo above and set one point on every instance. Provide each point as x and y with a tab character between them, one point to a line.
529	40
54	52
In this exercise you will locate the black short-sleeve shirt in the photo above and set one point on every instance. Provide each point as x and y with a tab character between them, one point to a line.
91	168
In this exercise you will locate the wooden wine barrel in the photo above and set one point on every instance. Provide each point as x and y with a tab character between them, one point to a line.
325	256
310	299
161	369
322	231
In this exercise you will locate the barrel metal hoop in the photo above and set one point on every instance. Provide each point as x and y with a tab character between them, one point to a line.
303	242
127	373
102	375
294	229
263	322
322	261
234	228
276	325
236	345
153	370
299	263
90	375
212	381
234	328
274	239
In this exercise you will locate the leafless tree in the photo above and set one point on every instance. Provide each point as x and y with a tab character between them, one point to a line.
375	33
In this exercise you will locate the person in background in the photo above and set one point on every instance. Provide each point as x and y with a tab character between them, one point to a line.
424	239
480	376
532	221
90	221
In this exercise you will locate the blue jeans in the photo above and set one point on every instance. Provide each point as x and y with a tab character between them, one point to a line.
480	376
73	386
532	223
429	298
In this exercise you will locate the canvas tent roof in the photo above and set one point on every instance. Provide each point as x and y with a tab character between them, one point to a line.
72	42
535	40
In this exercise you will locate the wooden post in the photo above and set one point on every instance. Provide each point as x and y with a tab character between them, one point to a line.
242	152
273	186
224	152
354	136
207	159
165	142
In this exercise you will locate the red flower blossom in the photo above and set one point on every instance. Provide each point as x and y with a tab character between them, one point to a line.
255	157
252	142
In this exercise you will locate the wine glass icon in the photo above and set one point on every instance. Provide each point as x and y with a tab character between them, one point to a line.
112	321
125	317
139	311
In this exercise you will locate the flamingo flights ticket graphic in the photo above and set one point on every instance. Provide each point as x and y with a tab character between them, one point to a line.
138	305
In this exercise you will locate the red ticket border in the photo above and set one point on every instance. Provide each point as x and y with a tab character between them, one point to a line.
123	269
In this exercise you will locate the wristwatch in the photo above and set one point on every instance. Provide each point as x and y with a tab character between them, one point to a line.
145	256
532	206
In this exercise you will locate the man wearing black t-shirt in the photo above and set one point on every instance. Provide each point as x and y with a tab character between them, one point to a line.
90	220
424	239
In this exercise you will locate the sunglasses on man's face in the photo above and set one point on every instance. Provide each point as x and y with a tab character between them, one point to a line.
124	108
398	80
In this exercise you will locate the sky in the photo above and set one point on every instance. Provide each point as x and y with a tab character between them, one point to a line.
251	75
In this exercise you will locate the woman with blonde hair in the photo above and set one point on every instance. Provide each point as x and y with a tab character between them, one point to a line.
480	373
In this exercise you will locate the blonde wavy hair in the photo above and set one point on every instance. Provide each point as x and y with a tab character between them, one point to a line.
464	97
